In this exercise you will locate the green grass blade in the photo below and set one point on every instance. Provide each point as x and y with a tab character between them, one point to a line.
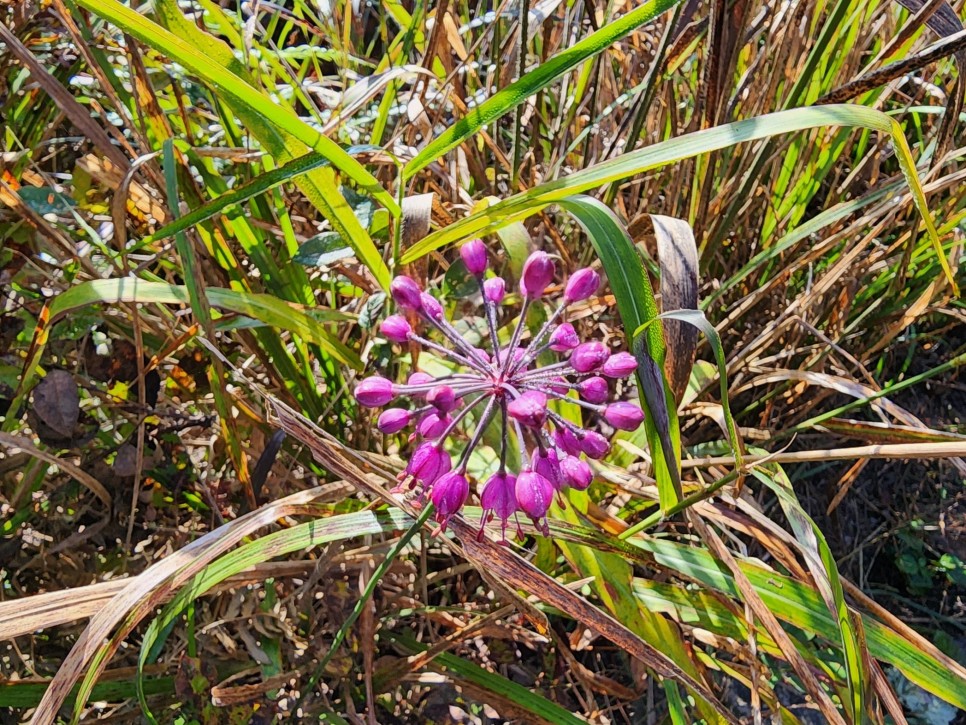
183	52
278	128
801	606
535	81
524	204
522	696
265	308
279	543
263	183
821	564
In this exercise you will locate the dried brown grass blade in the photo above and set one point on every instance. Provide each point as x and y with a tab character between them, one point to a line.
520	574
899	451
767	619
64	99
143	593
24	444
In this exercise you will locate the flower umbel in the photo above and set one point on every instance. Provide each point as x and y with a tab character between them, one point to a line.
504	381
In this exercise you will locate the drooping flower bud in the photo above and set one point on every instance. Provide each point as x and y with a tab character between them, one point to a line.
395	328
534	493
537	274
433	424
431	306
594	390
428	463
405	292
594	445
393	420
567	441
564	338
576	473
547	465
624	416
482	353
494	289
529	409
474	257
374	392
449	494
581	285
619	365
499	497
442	397
588	356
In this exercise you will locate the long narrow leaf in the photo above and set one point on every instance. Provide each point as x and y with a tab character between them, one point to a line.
535	81
524	204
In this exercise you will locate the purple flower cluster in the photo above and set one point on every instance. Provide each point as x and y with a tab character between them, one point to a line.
506	381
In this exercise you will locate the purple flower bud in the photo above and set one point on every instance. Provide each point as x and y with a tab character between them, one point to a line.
564	338
594	390
449	494
442	397
494	289
431	306
374	392
405	292
499	497
420	379
624	416
482	353
619	365
567	441
559	385
433	425
534	493
474	256
395	328
576	473
538	272
518	354
581	285
589	356
530	408
428	463
393	420
547	465
594	445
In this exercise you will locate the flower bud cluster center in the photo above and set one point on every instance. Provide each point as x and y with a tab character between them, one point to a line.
505	383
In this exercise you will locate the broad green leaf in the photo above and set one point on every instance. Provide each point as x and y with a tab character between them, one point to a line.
321	250
527	203
636	305
534	81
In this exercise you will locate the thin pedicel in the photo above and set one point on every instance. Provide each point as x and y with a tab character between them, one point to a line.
505	380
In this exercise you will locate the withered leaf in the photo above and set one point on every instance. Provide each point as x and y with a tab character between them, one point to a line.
57	402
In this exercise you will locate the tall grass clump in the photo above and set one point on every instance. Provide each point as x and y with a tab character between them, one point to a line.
546	362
